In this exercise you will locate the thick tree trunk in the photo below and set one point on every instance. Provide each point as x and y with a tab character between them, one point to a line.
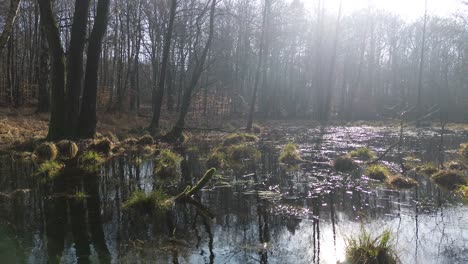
88	115
158	98
43	93
75	66
57	114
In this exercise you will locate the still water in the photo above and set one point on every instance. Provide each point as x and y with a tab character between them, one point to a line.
258	213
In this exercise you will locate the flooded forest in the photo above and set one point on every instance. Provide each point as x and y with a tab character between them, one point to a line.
234	131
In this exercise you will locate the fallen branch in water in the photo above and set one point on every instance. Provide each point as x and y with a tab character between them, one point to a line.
189	191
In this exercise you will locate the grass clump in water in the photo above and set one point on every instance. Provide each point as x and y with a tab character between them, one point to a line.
46	151
362	154
238	153
427	169
377	172
366	250
103	145
463	191
49	170
154	201
290	155
67	149
146	140
400	182
344	164
167	165
450	179
90	161
238	138
217	159
464	150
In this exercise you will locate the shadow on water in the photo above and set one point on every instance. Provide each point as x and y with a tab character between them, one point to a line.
267	214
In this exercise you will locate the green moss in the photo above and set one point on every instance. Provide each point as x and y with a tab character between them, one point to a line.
367	250
290	155
49	170
450	179
427	169
239	153
90	161
238	138
217	159
46	151
67	149
344	164
362	154
154	201
167	165
463	191
400	182
377	172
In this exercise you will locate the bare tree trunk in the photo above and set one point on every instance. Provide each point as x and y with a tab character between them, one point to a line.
57	115
88	116
259	67
75	66
176	131
158	98
421	66
43	93
9	22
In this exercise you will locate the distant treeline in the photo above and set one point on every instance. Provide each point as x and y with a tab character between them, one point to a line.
299	64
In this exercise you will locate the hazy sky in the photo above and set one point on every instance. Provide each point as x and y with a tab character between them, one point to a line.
406	8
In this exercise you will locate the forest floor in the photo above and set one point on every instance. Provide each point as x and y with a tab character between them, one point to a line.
22	125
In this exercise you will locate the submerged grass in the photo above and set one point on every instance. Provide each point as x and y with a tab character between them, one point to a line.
290	155
362	154
366	250
377	172
153	201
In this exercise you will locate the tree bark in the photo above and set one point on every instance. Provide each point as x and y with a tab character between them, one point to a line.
158	98
75	66
88	115
9	22
57	57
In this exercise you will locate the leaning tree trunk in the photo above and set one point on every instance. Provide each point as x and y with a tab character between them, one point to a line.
158	98
57	116
176	131
9	22
88	116
75	66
